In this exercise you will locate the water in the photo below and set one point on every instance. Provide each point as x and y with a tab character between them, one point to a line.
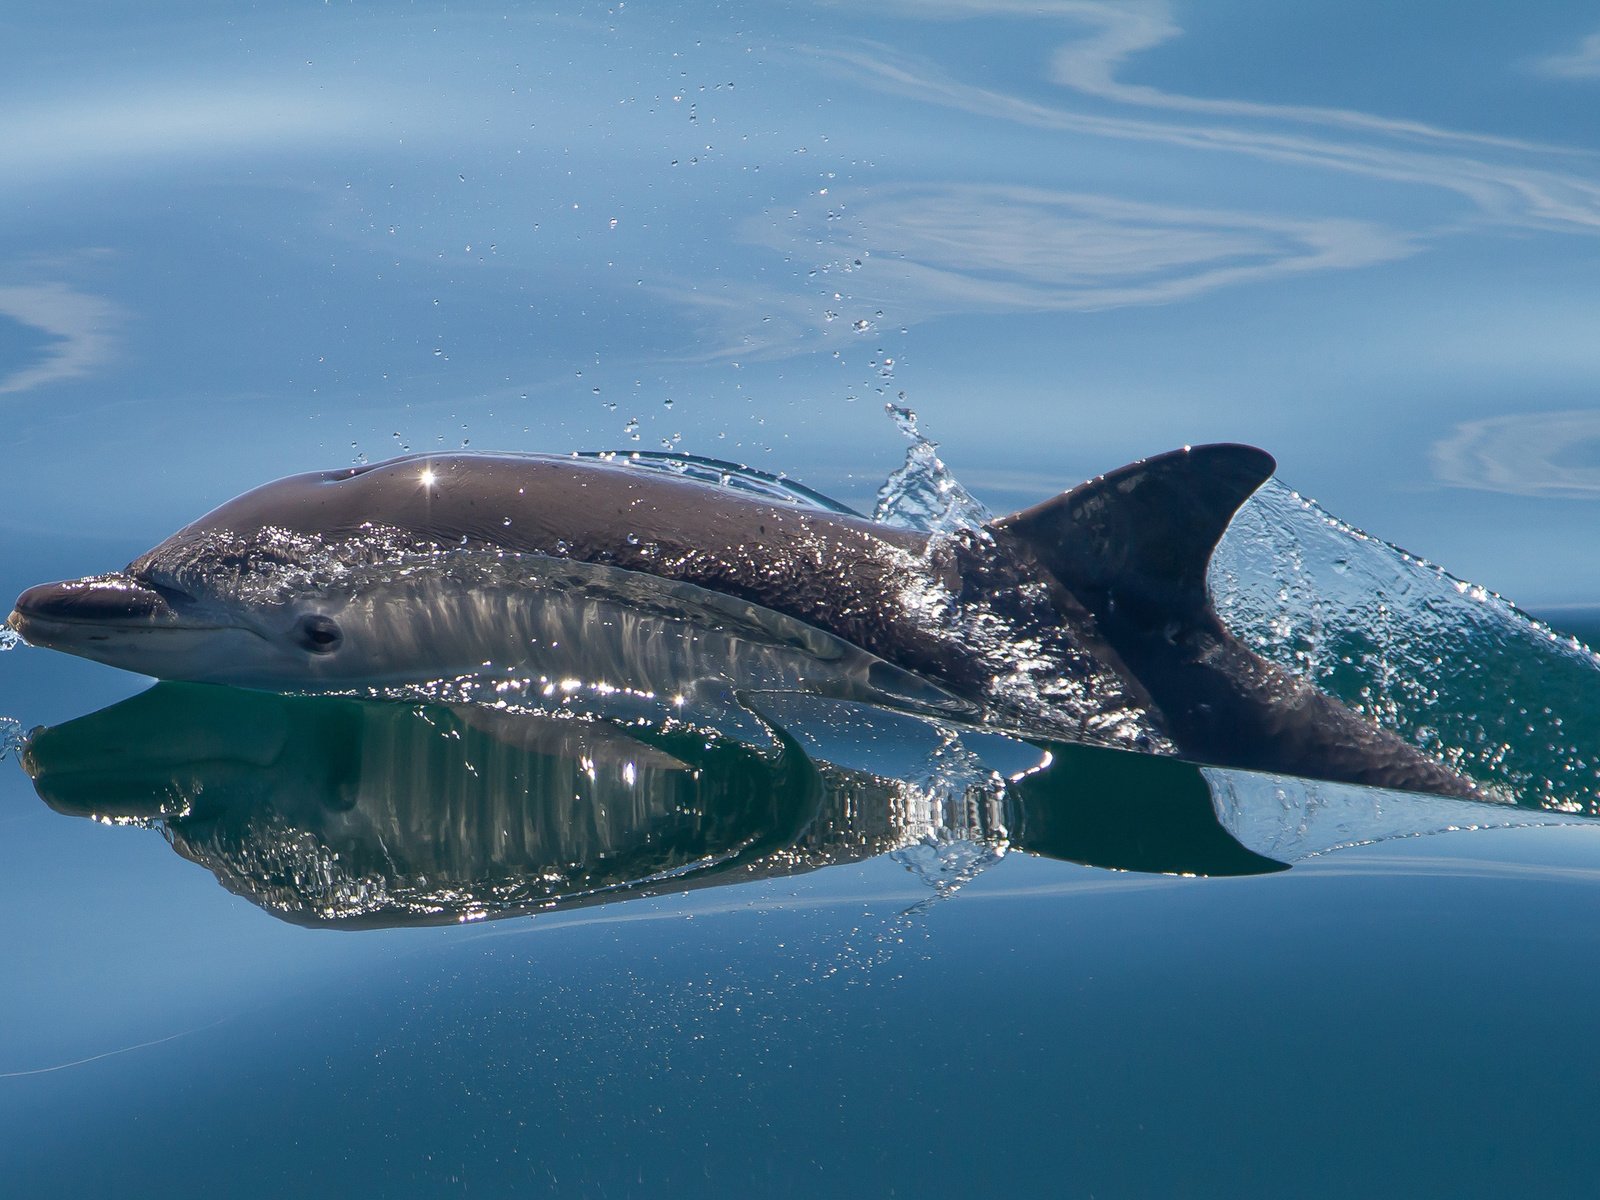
425	945
1454	668
924	494
566	939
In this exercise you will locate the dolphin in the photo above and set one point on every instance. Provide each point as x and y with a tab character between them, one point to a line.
1086	617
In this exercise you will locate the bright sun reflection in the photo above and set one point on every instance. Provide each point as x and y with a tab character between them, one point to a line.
428	477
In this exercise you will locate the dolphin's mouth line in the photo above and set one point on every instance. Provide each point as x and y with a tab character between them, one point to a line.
21	622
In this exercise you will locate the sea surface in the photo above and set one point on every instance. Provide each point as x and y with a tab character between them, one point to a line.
937	261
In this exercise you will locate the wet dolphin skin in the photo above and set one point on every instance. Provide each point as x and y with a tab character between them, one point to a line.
1085	617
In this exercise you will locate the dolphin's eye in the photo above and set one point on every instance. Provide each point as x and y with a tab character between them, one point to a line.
318	634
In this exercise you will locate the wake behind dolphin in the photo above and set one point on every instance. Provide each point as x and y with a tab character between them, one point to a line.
1086	617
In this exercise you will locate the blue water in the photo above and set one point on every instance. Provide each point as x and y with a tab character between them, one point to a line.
240	244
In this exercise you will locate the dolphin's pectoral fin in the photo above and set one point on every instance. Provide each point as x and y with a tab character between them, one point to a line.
1141	537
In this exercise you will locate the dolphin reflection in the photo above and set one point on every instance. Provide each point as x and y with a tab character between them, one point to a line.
329	811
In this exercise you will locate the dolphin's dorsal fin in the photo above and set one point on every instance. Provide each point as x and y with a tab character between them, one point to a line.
1138	540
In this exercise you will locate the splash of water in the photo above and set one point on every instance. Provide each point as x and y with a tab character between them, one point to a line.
1447	664
12	738
951	812
8	639
924	494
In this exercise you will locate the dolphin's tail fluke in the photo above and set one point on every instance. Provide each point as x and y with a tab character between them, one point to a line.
1133	547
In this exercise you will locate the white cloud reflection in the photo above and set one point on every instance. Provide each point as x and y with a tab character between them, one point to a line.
1580	63
1544	454
49	139
922	251
1117	32
81	326
1506	180
1112	33
972	246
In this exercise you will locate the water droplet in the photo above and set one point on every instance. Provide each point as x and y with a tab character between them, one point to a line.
11	736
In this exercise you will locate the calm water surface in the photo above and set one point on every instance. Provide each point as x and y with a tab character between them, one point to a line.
243	244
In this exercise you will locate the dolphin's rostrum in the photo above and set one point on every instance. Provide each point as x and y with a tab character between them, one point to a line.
1086	617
